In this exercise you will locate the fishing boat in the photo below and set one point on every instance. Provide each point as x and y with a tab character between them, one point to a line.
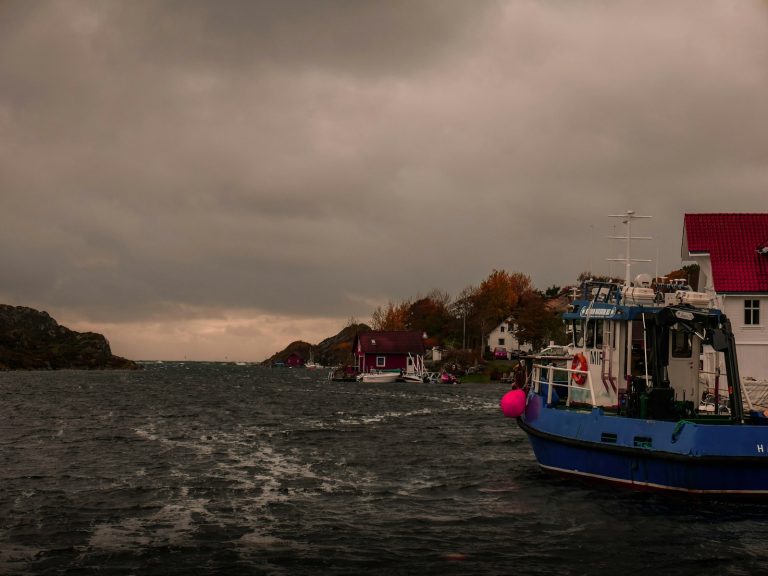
651	398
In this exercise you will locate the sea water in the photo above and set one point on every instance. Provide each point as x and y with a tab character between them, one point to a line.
203	468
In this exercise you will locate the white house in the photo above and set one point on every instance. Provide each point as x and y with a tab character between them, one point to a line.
732	253
503	336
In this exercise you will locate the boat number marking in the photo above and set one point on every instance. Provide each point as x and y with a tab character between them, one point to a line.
760	448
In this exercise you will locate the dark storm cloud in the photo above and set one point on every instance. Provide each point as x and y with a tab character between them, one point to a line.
320	157
364	37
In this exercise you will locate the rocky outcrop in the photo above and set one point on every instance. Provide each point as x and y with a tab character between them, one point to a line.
32	340
336	350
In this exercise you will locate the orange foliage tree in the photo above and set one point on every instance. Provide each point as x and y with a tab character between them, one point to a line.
393	317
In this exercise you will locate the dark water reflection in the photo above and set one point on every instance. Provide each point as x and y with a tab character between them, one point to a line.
224	469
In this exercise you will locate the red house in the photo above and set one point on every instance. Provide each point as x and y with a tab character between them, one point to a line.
294	360
387	350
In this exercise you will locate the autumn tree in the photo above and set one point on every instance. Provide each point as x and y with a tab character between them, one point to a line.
431	314
393	317
536	324
498	297
689	273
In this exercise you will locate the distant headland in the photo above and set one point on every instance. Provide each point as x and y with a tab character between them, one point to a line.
331	351
32	340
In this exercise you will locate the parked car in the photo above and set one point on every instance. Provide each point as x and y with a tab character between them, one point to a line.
500	353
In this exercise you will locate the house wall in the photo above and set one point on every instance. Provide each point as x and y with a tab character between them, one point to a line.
391	362
510	342
751	341
705	275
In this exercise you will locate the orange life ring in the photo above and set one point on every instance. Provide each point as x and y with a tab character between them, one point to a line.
579	362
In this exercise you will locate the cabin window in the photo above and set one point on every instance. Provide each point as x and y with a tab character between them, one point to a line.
501	328
578	334
752	312
681	344
381	361
594	333
501	341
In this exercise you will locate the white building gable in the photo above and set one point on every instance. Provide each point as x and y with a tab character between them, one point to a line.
729	249
503	336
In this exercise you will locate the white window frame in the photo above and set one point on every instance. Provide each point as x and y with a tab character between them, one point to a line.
751	309
381	361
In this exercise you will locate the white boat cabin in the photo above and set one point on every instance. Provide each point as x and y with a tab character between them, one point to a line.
624	340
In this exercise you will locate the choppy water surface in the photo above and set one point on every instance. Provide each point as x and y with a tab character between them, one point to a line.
223	469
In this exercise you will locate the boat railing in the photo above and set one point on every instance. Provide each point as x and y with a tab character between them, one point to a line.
559	378
716	392
755	393
570	383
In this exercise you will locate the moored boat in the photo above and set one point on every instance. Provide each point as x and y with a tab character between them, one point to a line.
311	364
635	406
379	377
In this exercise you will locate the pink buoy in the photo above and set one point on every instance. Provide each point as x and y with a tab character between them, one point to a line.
513	403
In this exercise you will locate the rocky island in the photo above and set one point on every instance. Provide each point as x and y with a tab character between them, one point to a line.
32	340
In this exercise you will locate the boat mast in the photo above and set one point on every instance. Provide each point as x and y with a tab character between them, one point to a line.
628	217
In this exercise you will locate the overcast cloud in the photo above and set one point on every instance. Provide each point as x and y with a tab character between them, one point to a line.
217	179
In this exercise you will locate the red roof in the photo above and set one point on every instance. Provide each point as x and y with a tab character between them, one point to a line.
400	342
734	243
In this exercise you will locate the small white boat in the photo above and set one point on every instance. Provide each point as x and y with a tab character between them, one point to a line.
378	377
414	370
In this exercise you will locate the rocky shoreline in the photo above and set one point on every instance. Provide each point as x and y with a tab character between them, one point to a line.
32	340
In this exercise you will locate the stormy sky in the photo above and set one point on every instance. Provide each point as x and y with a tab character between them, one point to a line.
213	180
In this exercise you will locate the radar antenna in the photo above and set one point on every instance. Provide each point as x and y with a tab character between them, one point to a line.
627	219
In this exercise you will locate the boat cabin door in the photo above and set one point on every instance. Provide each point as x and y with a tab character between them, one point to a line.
683	367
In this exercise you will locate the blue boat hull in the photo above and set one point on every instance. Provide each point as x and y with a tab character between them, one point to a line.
647	454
